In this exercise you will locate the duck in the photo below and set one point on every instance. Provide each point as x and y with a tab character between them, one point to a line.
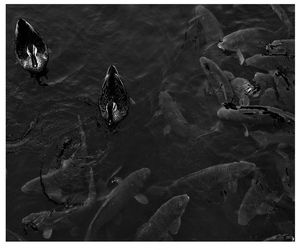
30	49
114	100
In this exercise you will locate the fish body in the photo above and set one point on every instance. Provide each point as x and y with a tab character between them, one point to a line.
217	80
255	201
271	63
249	40
262	81
173	116
268	98
165	220
255	115
281	237
265	139
206	179
30	49
47	221
210	25
117	200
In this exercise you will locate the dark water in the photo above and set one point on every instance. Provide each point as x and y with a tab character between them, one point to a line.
148	45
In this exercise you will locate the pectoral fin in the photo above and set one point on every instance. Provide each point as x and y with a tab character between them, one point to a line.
141	199
246	133
132	102
240	56
174	228
47	233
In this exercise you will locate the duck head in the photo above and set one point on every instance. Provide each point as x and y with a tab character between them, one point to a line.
31	51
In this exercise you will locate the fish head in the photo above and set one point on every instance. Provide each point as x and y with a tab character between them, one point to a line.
180	202
32	187
35	221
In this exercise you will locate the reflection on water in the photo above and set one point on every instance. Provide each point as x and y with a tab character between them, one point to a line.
155	48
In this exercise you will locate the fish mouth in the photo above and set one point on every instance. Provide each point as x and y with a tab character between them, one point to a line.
220	46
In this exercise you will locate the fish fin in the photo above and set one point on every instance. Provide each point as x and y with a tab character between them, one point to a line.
167	130
174	227
232	186
240	56
166	237
246	133
141	198
132	102
47	233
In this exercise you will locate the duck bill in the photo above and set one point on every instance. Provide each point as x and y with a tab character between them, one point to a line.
112	70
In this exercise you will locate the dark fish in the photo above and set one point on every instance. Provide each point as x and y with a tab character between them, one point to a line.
206	179
268	98
69	183
271	63
264	139
286	92
263	81
282	47
47	221
255	115
116	200
210	25
31	51
167	219
256	201
218	81
281	237
173	116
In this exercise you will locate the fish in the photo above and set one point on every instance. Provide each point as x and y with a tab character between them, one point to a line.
281	237
253	40
268	98
285	91
243	89
286	170
248	41
255	115
285	47
262	81
283	17
206	179
271	63
218	81
211	28
176	122
256	200
117	199
264	139
68	183
47	221
165	221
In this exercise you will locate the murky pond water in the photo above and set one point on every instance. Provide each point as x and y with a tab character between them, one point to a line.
155	48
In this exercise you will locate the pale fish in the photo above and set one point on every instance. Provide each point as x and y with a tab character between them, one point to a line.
117	199
165	221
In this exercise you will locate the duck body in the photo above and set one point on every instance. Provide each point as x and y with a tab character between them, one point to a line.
114	101
31	51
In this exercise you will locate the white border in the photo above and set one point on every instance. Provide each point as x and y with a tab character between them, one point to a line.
130	245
